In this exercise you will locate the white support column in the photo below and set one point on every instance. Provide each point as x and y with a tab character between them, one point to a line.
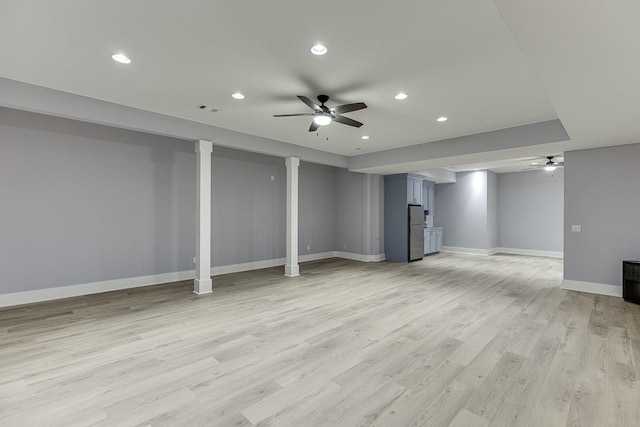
366	214
291	268
202	284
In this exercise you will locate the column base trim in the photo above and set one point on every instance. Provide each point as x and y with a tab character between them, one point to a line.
202	286
292	270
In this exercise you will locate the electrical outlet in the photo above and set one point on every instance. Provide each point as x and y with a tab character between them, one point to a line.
273	178
576	228
195	260
345	246
308	247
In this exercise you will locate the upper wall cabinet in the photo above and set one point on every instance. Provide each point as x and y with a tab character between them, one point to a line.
414	191
429	196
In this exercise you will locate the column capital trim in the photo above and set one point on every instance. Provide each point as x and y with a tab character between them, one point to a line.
202	145
292	161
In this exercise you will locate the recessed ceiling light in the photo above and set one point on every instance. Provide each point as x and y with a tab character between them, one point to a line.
364	137
534	164
318	49
400	96
123	59
237	95
442	119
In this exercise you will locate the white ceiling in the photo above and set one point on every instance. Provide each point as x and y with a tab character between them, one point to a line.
486	64
454	58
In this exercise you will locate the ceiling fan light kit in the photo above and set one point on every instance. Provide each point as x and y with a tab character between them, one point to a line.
322	119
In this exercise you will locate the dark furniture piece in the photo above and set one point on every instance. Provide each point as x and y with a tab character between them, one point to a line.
631	281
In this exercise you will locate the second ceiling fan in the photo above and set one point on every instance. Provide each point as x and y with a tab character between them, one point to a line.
549	166
324	115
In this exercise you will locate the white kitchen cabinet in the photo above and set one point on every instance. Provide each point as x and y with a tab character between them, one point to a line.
433	239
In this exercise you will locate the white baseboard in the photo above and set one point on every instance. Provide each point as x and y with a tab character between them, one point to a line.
267	263
530	252
472	251
39	295
592	288
315	257
48	294
359	257
246	266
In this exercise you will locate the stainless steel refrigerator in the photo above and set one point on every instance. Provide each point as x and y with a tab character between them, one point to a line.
416	232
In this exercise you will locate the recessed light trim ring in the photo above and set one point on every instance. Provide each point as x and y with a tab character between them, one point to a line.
319	49
121	58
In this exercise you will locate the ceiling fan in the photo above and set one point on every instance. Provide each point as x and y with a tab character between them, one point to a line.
323	115
550	165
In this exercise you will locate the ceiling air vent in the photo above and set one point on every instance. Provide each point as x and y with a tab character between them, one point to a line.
204	107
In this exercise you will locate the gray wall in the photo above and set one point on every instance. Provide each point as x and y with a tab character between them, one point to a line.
87	203
602	194
349	213
360	213
248	209
492	209
461	208
318	207
530	210
247	212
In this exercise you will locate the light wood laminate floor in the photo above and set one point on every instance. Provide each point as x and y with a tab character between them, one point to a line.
453	340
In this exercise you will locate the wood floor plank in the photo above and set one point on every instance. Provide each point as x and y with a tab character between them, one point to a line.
465	418
453	339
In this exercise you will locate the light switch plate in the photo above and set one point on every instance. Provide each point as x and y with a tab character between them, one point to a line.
576	228
194	260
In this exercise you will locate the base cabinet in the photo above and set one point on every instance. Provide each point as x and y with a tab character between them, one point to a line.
433	239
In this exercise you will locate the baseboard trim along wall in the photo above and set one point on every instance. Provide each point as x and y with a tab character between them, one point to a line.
472	251
359	257
514	251
39	295
592	288
48	294
530	252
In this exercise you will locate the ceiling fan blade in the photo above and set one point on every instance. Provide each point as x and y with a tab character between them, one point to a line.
309	103
560	164
314	127
292	115
347	121
346	108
